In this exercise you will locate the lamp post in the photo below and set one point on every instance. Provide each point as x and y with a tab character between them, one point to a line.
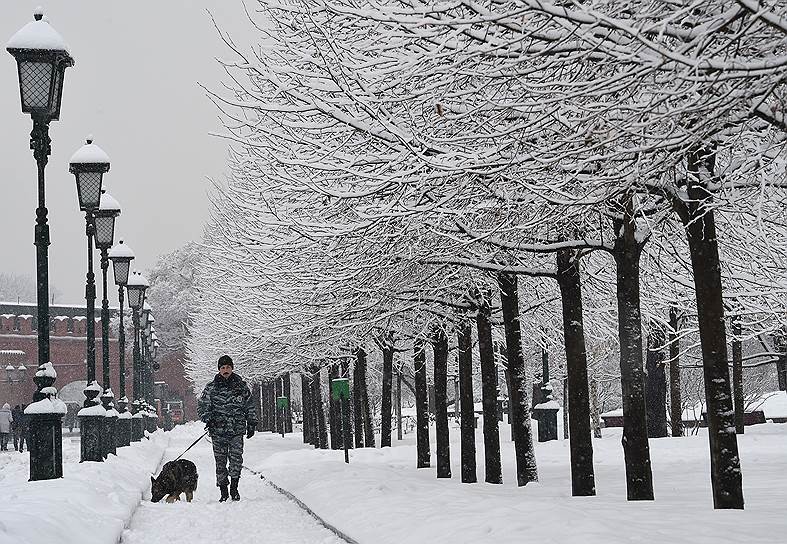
121	256
105	216
42	58
135	288
89	164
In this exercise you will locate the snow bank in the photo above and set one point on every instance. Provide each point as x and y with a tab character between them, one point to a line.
381	497
91	504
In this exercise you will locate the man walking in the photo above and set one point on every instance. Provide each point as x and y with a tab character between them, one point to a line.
227	409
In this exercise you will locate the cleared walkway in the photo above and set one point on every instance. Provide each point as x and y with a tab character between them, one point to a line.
262	516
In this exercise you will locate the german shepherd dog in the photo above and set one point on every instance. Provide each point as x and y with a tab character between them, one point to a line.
176	477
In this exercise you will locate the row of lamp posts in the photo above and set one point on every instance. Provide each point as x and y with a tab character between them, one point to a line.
42	58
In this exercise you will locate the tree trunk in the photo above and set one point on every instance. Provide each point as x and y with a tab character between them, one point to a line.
278	391
737	374
366	412
287	392
595	419
565	407
334	411
580	444
440	349
656	385
306	406
349	431
493	469
421	404
526	470
268	406
385	407
358	384
398	405
321	429
726	478
465	342
627	251
676	405
257	392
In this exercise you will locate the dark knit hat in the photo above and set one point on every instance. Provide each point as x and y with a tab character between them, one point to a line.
226	360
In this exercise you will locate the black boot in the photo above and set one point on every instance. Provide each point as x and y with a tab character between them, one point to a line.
225	494
234	489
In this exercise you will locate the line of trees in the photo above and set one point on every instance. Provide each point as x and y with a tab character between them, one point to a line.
408	174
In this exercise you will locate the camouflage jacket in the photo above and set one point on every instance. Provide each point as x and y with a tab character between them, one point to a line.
226	405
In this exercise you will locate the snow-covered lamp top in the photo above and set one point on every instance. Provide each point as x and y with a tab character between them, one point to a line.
121	256
121	250
42	57
89	164
136	286
38	34
89	153
105	216
108	204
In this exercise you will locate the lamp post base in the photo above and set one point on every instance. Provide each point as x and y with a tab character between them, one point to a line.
45	443
91	429
123	431
110	435
137	428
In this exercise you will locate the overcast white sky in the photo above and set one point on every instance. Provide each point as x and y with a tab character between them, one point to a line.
135	89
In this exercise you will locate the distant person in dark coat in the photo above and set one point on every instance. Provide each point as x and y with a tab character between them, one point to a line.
18	427
6	419
227	409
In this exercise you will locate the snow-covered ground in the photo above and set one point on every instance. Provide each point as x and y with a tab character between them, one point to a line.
380	497
262	515
91	504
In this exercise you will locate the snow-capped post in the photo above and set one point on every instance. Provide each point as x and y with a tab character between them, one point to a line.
42	57
340	390
121	256
546	411
137	425
91	425
110	423
123	431
45	415
780	343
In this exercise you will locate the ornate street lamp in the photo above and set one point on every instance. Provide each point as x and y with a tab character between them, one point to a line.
135	288
121	256
42	58
89	164
105	216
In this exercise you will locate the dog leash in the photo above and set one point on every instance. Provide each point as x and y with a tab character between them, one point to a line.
194	444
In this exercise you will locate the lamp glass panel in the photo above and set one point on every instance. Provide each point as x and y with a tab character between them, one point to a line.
89	188
105	230
35	79
121	268
134	297
57	93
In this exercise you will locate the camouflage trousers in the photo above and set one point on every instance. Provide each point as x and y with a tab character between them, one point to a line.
227	448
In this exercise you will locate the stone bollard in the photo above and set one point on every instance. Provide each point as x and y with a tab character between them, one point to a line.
45	416
91	425
123	430
546	415
110	424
